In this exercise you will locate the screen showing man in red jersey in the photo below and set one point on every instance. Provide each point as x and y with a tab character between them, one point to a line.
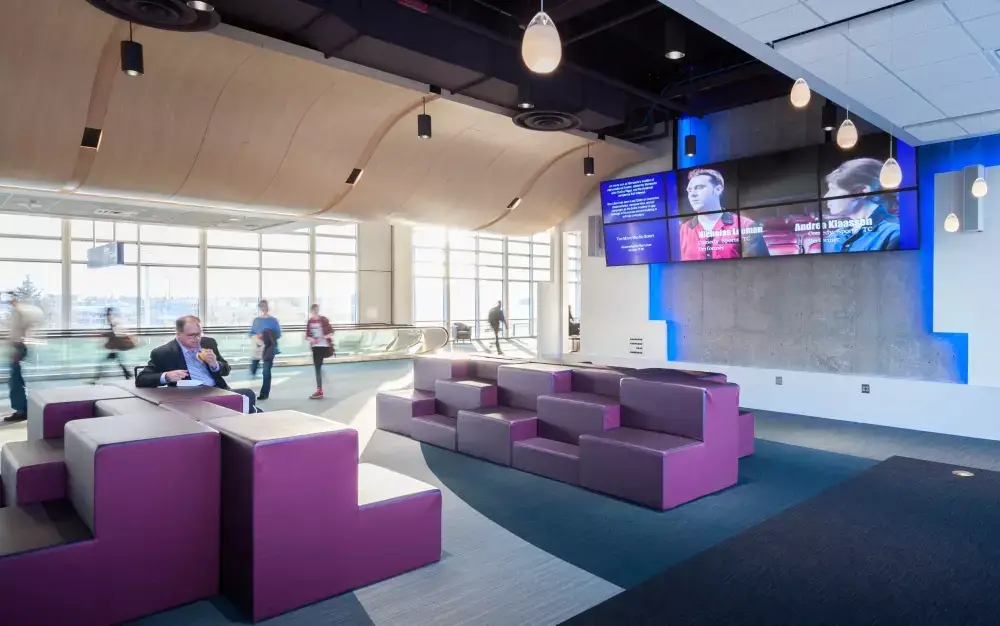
714	233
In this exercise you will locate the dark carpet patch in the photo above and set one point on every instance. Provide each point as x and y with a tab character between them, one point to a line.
906	542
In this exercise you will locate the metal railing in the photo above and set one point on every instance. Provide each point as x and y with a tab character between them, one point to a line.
73	353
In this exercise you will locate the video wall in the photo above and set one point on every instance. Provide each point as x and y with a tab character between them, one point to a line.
812	200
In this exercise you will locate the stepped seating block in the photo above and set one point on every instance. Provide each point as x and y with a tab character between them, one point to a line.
395	410
199	411
126	406
31	527
546	457
388	502
431	368
490	432
664	374
460	394
146	489
50	409
485	368
164	395
285	548
33	471
605	382
651	468
521	384
566	416
437	430
746	433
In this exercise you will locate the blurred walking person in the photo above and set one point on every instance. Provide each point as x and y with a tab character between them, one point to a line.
496	317
23	317
115	342
319	333
265	332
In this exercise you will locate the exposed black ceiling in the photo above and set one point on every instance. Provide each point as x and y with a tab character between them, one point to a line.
614	77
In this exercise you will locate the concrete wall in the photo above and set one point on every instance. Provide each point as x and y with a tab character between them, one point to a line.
374	273
861	313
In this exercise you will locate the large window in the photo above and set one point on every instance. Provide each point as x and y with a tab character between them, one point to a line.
574	254
460	276
164	267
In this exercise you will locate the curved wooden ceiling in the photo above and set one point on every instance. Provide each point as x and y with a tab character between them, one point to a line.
218	122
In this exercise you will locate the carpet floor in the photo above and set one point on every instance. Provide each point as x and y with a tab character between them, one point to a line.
906	542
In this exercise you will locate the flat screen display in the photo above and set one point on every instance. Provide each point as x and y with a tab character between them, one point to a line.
636	243
632	199
785	230
705	237
856	171
708	189
780	178
871	223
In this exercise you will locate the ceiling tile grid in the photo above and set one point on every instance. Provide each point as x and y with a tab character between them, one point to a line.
928	66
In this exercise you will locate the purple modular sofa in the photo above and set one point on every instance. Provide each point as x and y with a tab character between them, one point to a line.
658	437
129	514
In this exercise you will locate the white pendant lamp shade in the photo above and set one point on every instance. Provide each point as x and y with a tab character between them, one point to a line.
541	48
951	223
801	93
979	187
891	175
847	135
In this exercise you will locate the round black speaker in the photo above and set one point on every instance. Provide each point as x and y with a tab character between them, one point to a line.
162	14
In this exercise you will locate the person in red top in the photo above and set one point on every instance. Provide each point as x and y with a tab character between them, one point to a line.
319	333
714	233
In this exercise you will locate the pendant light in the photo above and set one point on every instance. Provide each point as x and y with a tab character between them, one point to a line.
829	115
588	163
891	175
847	134
424	123
951	223
801	94
131	55
980	188
541	48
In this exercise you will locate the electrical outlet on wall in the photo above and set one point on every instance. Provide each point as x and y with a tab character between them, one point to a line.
778	380
866	388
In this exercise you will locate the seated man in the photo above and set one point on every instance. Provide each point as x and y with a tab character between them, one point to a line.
189	357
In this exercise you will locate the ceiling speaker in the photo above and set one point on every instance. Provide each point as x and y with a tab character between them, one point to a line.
162	14
547	121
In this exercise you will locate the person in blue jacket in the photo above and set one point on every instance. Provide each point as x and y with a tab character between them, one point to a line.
265	322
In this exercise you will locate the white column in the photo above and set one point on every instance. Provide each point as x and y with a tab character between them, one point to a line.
375	257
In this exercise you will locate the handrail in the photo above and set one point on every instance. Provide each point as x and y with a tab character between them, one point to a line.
93	333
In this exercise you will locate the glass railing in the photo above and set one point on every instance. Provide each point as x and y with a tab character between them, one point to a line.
80	353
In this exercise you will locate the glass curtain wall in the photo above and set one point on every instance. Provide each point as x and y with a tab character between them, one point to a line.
574	254
171	271
459	276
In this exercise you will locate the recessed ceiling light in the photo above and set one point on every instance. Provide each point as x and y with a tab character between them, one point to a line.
675	55
197	5
963	473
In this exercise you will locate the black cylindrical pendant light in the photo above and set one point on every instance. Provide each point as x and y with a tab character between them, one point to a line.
524	98
588	163
690	145
829	116
424	124
131	55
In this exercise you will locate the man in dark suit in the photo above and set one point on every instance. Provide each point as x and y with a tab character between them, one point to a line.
190	356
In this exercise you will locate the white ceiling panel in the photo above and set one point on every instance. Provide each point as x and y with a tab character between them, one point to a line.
783	22
966	10
739	12
834	10
978	96
924	48
936	131
929	67
986	31
895	24
980	124
953	71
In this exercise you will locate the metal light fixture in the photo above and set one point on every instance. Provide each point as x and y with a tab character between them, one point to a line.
690	145
131	55
541	48
951	223
588	163
980	188
524	99
198	5
424	123
801	94
829	115
675	42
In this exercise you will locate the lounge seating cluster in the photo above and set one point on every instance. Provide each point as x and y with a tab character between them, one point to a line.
126	502
658	437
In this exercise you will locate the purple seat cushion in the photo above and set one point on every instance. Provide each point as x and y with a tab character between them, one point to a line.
595	380
454	395
566	416
39	526
437	430
429	369
488	433
647	440
746	433
50	409
125	406
553	459
395	410
198	410
33	471
521	384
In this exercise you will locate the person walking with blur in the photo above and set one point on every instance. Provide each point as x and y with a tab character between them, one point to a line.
265	323
115	341
319	333
23	317
495	318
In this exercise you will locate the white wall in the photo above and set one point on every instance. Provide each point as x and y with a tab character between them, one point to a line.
402	274
374	273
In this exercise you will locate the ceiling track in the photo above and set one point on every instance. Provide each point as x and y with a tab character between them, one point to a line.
839	22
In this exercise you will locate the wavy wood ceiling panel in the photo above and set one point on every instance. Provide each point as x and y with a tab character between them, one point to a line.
475	164
215	121
49	54
560	190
